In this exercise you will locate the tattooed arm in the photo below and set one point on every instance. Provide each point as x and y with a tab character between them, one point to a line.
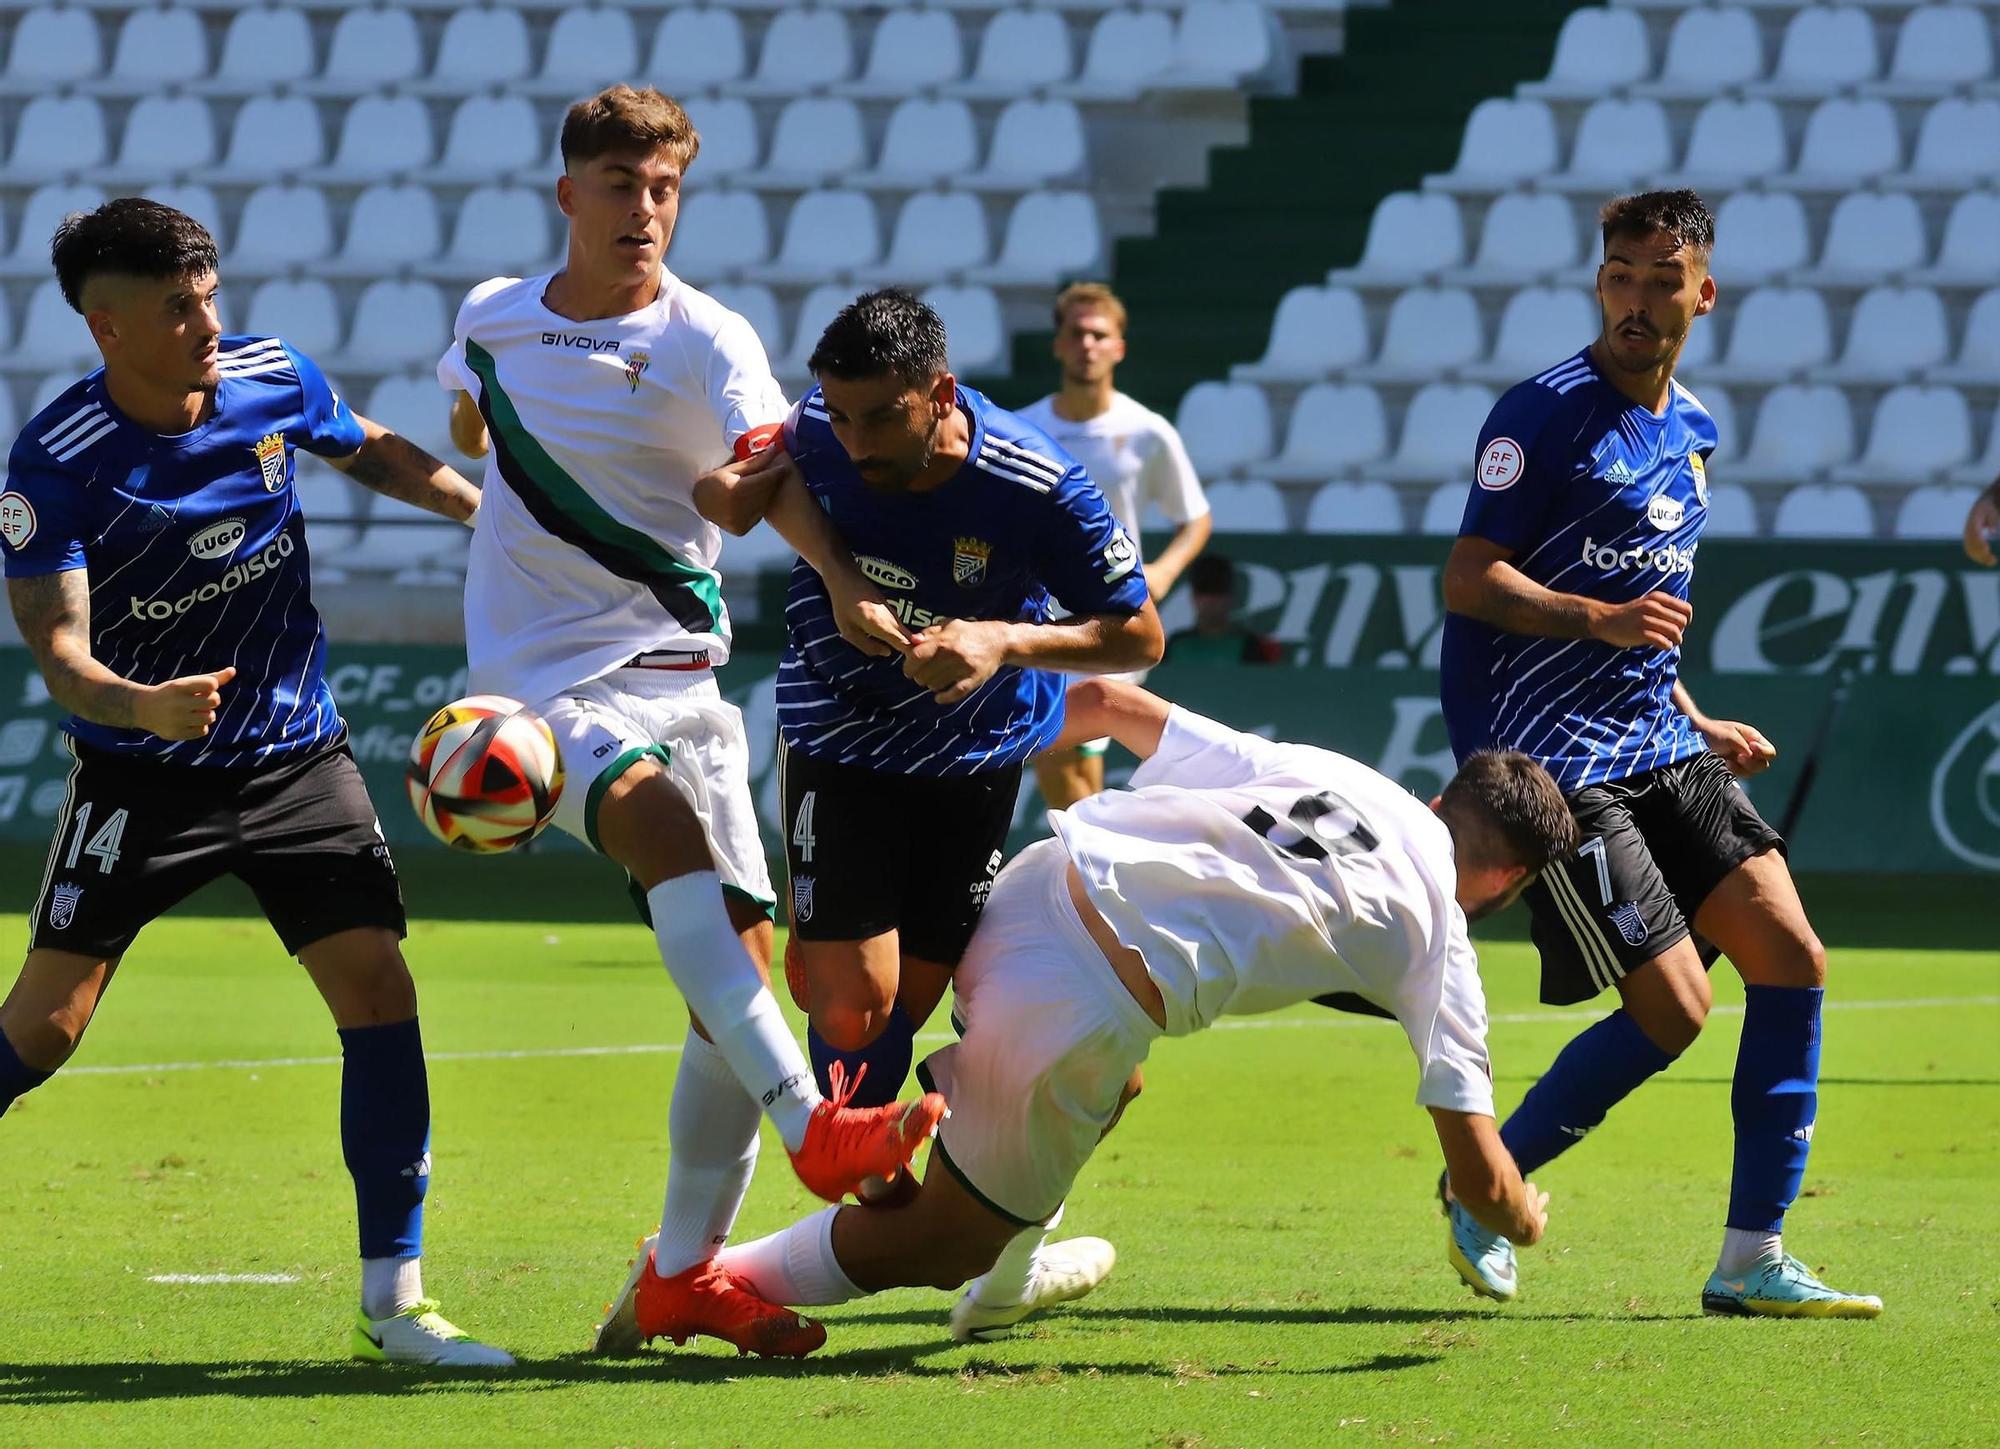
395	467
53	613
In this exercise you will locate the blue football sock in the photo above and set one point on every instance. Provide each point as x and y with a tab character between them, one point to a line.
887	1058
16	1076
1594	1073
385	1134
1774	1102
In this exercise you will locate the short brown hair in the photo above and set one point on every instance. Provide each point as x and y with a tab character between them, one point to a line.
1507	810
1089	294
1681	214
620	118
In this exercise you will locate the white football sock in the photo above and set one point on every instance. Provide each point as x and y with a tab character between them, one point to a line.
389	1285
1746	1247
794	1267
716	977
712	1151
1006	1282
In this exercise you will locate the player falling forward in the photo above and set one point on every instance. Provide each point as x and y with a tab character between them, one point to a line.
603	391
1567	592
1135	456
151	529
1236	876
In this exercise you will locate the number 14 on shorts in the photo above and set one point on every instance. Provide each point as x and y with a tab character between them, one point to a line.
103	846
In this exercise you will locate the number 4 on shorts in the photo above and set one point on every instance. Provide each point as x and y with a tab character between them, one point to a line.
104	845
802	827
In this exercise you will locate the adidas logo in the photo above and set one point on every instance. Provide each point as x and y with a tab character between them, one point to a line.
1618	475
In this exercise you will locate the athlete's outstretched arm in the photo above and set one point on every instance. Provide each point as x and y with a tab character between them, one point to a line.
1485	1180
1096	708
53	613
954	658
1742	747
395	467
1481	582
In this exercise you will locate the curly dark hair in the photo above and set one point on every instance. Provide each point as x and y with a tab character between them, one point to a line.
888	331
1512	803
133	237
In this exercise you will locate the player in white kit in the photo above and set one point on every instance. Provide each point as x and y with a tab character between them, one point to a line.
1236	876
1136	457
605	396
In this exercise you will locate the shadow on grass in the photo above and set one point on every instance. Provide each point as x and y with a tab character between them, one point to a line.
1846	1081
48	1385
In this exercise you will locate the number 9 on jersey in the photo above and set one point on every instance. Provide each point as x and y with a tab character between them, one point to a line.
485	774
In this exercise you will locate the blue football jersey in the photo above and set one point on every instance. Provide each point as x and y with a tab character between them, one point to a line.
1019	521
1595	496
195	545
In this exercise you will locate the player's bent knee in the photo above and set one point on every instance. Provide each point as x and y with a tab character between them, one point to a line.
647	825
851	1025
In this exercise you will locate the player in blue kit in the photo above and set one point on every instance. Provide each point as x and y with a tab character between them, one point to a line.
1567	593
900	771
156	563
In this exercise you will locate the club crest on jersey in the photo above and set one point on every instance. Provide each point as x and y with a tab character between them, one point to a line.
636	364
62	905
1631	925
1700	471
271	461
802	898
969	557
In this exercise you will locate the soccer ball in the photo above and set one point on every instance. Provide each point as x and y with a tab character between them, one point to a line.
485	774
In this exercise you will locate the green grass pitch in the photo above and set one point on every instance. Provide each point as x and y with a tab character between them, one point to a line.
1281	1276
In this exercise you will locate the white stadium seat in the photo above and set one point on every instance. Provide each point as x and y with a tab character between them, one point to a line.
397	324
1224	425
52	335
166	133
926	140
976	336
275	133
327	498
1934	511
1979	353
1731	512
938	234
1035	142
819	308
1355	508
828	232
264	47
1539	328
1722	408
501	229
283	225
1895	331
372	47
1958	145
53	44
1439	427
1049	233
391	225
717	233
1020	50
913	50
45	208
1597	51
1431	329
1250	507
588	49
1826	48
197	201
408	544
1733	141
1708	50
1526	234
1970	251
1819	510
1941	47
730	141
483	46
1873	233
1411	234
1848	141
817	139
58	134
160	46
1219	44
1802	430
1617	142
1335	429
302	310
1315	331
1779	331
1918	433
414	405
694	48
1128	50
758	306
1506	141
1444	510
383	134
803	49
1759	235
493	134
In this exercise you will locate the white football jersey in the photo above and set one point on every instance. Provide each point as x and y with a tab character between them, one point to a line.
588	548
1132	454
1252	876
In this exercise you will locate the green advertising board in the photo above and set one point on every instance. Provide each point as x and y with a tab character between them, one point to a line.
1909	775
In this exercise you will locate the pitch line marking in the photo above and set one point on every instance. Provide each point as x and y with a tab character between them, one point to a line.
645	1049
207	1279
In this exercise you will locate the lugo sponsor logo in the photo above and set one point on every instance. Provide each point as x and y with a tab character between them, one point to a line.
577	342
1669	560
264	561
218	540
881	571
1665	513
